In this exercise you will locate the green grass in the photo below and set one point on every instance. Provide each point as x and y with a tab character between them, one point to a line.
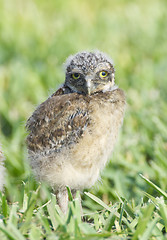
36	36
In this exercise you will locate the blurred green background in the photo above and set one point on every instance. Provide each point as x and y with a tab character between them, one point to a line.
36	36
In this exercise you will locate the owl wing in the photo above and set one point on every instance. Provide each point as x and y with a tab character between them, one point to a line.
58	123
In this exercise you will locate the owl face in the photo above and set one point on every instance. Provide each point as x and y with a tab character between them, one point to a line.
89	72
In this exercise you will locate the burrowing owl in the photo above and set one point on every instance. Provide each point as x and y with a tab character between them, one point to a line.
72	134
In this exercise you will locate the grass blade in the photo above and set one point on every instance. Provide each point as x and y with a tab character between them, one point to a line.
154	186
149	229
100	202
143	221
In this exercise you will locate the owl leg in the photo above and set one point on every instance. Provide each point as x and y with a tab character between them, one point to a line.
62	199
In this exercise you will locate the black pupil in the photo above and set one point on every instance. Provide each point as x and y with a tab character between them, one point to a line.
76	75
103	73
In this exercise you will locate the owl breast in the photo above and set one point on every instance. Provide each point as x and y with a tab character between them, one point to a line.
95	148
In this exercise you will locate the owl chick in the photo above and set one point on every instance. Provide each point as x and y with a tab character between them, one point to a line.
72	134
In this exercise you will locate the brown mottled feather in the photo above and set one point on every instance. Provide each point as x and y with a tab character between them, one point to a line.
62	119
58	122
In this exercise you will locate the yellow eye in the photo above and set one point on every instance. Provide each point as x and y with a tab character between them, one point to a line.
76	75
103	74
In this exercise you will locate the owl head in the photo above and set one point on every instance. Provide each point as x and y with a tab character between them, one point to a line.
89	73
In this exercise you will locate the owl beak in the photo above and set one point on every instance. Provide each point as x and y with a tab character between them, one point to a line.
89	86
